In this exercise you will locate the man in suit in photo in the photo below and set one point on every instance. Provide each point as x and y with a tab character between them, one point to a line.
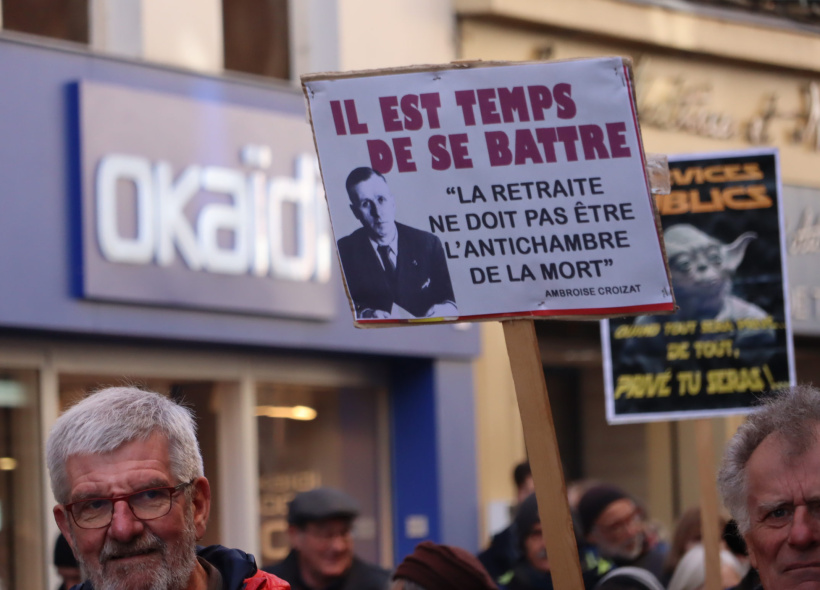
389	266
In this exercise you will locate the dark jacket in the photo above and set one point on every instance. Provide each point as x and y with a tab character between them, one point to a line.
422	278
360	576
526	577
238	570
651	560
502	554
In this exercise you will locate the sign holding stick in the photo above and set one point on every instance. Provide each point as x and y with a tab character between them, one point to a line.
542	448
494	191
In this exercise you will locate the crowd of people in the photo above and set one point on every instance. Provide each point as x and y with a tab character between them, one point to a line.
133	501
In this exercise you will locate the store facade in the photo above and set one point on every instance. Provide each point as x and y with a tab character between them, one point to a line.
706	79
168	229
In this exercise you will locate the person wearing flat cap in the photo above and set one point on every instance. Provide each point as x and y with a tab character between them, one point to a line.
441	567
320	523
614	524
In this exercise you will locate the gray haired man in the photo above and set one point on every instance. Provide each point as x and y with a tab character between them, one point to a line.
770	482
127	472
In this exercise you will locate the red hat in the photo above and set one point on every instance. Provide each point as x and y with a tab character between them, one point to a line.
443	567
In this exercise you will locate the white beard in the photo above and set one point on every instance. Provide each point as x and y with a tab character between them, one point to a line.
172	571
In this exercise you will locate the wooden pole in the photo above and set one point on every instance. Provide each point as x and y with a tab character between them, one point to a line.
542	448
710	534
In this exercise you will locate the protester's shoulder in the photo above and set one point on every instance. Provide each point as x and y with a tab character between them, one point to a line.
263	580
234	565
284	568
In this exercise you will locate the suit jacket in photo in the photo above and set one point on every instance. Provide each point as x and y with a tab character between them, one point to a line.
422	278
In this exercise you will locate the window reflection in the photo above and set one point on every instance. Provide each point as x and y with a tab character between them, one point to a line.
336	447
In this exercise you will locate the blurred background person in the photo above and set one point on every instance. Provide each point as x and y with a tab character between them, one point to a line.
629	578
687	534
502	553
532	571
690	574
320	531
737	546
614	524
441	567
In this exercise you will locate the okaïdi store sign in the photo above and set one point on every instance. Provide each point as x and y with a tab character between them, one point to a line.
197	203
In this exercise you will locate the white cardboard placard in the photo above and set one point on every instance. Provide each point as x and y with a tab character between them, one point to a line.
527	180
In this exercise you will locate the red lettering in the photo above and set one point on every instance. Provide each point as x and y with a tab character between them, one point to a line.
540	101
466	100
616	132
563	96
404	157
381	158
525	148
498	148
390	114
592	140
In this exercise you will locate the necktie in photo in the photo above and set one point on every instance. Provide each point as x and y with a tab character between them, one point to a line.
389	268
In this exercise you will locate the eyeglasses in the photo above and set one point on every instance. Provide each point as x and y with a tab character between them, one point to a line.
621	524
96	513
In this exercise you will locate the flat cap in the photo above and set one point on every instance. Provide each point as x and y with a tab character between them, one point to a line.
320	504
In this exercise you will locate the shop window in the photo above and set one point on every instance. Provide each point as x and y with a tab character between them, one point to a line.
21	506
311	437
256	37
58	19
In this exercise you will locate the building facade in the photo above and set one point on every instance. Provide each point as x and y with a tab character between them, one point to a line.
709	76
164	225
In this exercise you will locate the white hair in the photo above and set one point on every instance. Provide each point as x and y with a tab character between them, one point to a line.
792	414
110	418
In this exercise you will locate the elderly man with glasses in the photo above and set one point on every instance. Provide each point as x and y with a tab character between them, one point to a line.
614	525
127	472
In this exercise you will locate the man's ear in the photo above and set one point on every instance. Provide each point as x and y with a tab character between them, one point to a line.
61	516
201	504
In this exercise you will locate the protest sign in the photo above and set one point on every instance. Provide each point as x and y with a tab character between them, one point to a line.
730	342
484	191
501	191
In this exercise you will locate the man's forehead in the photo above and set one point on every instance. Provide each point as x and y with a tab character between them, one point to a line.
147	457
616	511
336	522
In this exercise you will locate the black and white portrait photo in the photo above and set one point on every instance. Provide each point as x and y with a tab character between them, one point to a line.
392	270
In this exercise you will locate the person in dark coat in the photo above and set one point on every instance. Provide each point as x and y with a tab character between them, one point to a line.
388	265
533	569
614	524
503	552
67	567
320	522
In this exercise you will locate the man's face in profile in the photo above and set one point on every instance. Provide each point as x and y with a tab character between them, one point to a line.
373	205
